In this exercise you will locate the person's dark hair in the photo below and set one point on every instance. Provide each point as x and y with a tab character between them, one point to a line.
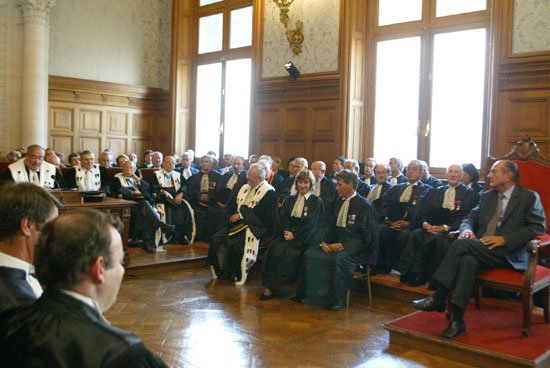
471	170
305	175
340	158
512	167
86	152
69	244
147	152
74	154
347	177
23	200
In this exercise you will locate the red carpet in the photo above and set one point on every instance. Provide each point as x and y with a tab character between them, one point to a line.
493	328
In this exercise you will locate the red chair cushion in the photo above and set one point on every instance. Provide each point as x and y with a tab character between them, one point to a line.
512	276
535	176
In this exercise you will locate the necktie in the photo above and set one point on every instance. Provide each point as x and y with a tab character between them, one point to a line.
406	195
493	222
317	188
375	193
449	198
343	214
186	173
34	178
231	182
298	207
205	183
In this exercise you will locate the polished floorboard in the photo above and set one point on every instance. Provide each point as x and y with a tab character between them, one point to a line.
191	320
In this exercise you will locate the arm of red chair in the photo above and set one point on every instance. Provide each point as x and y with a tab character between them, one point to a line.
534	247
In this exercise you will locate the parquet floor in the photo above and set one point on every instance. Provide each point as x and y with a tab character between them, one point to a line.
193	321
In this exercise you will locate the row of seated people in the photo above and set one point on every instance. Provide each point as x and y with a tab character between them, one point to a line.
401	226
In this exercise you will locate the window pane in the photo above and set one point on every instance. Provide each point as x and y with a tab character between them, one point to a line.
210	33
237	106
397	94
399	11
241	28
451	7
208	2
209	81
457	98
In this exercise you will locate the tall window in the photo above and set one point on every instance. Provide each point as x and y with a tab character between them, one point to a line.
223	77
430	79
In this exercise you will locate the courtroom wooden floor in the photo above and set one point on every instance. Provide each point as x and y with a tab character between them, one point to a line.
192	321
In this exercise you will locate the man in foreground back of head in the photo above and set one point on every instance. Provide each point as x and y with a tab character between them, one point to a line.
24	209
81	267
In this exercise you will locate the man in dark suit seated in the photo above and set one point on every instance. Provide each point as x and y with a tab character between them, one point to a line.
493	235
24	209
81	267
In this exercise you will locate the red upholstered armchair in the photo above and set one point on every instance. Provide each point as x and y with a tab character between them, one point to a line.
534	172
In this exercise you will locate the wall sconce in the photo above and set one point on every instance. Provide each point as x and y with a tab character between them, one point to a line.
293	72
295	36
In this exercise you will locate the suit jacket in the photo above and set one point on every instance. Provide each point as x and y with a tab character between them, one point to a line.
14	288
360	236
431	203
372	180
75	333
522	221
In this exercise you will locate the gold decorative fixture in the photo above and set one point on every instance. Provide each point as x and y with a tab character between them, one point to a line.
294	36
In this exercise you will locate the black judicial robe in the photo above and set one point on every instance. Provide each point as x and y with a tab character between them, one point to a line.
326	277
423	251
59	182
393	242
105	179
379	203
282	260
328	193
61	331
14	288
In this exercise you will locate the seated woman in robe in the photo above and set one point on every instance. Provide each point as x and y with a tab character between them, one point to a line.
470	177
299	229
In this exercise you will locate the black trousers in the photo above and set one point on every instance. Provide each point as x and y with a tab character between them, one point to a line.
463	260
391	246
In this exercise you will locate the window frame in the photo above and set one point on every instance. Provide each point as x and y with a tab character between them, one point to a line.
224	55
426	28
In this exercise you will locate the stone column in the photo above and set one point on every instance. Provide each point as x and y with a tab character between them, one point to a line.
34	81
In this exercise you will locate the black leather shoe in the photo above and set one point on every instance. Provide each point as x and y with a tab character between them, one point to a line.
265	297
418	281
404	279
454	329
150	248
167	228
336	306
428	304
297	299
